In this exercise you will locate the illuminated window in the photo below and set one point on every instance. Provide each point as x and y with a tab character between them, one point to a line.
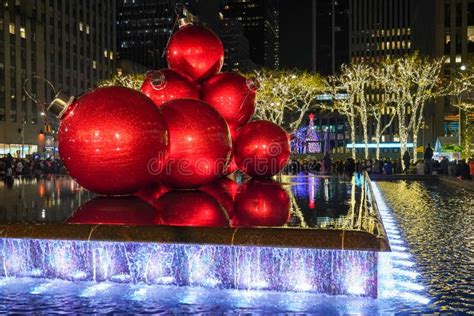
111	55
94	64
22	32
87	29
470	33
106	53
81	26
11	28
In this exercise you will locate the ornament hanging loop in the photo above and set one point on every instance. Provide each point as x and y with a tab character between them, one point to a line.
157	79
183	16
31	95
252	83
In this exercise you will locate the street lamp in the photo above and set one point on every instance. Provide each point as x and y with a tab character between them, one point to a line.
462	67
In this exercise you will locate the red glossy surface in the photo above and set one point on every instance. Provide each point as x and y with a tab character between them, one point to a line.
261	149
200	144
196	51
231	95
118	210
232	166
224	191
152	192
108	137
165	85
190	208
261	203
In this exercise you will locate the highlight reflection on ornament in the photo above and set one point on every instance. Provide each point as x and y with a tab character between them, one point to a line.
224	190
261	203
190	208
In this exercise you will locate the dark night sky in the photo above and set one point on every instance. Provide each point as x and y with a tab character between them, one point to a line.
295	34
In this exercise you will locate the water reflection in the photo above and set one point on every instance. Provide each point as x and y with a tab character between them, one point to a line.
302	201
190	208
261	203
50	199
120	210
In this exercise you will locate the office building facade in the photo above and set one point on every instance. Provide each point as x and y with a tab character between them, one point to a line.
69	42
260	21
143	29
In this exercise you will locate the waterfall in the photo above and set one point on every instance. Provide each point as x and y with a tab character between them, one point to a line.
333	272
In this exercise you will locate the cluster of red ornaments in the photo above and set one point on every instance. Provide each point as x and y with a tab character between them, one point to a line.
188	127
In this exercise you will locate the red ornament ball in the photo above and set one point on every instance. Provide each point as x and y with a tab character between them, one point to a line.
117	210
200	144
261	149
190	208
261	203
196	51
232	95
108	137
165	85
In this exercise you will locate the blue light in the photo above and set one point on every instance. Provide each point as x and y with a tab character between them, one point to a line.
397	275
333	272
382	145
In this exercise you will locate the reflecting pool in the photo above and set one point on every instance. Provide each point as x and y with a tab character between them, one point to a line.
437	222
331	224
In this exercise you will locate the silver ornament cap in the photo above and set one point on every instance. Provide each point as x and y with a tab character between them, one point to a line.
60	104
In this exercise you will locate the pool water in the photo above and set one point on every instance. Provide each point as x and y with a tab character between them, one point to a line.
437	222
428	271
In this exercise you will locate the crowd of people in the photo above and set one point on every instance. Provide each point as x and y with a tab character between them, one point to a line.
349	165
29	167
427	165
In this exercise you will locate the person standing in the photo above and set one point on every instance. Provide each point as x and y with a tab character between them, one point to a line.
406	161
9	165
327	162
428	156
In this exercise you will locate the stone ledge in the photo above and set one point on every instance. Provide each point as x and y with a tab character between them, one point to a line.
261	237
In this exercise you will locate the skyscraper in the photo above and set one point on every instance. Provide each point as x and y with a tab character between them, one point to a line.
260	20
315	35
379	28
71	43
144	27
236	46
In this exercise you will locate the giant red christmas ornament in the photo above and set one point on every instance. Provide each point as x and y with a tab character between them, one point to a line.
200	144
109	137
117	210
190	208
196	51
165	85
261	203
261	149
232	95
